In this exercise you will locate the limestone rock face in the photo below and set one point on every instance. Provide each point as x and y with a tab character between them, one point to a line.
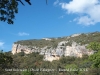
51	53
77	50
22	48
14	48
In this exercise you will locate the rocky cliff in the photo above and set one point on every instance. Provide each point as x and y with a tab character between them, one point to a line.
51	53
54	48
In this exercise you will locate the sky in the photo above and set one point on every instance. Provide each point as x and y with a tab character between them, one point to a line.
56	19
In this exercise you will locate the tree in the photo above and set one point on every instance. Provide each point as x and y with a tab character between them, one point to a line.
94	46
5	59
95	58
8	9
72	69
21	53
26	73
5	62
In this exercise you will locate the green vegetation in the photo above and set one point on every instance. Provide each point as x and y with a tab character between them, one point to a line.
8	9
5	61
26	73
95	58
81	39
94	46
40	43
33	64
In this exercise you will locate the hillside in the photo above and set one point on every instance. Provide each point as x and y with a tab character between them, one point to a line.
78	54
83	38
54	48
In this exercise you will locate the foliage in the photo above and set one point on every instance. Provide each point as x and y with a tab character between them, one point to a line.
21	53
86	64
81	39
95	58
67	60
26	73
5	62
72	68
94	46
8	9
92	71
35	61
5	59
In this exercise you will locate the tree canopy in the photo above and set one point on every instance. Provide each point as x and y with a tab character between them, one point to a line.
94	46
8	9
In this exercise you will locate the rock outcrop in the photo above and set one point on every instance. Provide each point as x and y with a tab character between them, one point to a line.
51	53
